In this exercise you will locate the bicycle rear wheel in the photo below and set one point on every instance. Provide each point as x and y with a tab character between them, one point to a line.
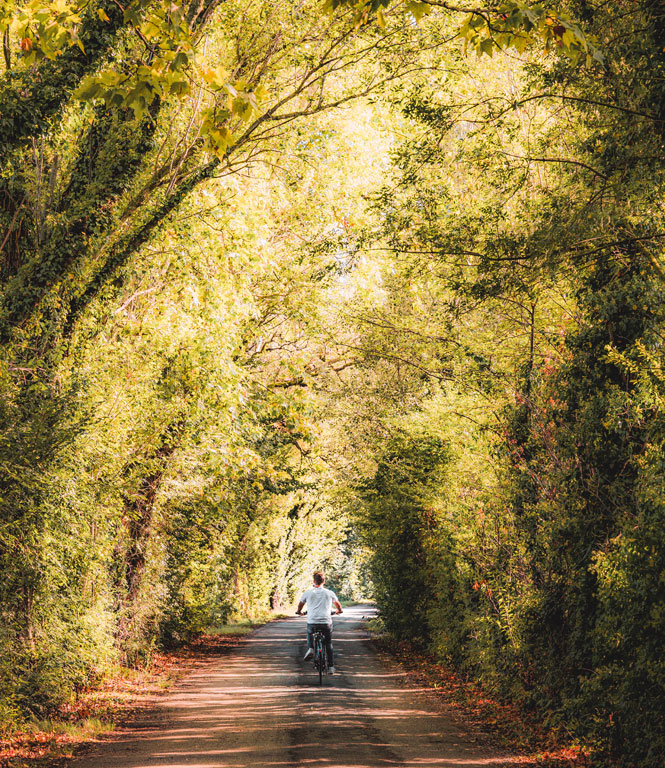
321	659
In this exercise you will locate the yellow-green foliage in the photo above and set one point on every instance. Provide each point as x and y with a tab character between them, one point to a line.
283	291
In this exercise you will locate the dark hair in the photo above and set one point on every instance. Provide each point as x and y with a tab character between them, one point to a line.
318	577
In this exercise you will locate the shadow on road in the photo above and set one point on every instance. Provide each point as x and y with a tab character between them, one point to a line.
262	707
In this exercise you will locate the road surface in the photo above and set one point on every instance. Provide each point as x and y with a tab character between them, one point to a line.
261	707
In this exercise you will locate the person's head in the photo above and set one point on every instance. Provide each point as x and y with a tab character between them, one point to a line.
318	578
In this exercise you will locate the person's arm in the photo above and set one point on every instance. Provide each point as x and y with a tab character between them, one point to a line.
338	605
301	605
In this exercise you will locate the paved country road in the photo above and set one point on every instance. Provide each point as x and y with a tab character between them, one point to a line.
261	707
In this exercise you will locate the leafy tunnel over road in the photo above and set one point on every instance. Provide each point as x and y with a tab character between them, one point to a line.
366	286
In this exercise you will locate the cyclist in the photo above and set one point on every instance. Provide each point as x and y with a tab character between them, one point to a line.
319	601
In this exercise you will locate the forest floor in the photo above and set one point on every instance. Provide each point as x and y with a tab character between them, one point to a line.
246	699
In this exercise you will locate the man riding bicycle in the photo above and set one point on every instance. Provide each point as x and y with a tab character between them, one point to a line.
319	601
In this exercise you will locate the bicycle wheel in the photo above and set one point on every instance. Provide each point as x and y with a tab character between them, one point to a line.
320	658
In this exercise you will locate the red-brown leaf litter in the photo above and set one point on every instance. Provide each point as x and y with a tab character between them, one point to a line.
51	743
505	725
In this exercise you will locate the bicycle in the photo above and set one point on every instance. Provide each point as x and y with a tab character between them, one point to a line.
321	660
320	654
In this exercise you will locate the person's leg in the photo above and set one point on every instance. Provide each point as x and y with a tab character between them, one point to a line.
327	632
310	652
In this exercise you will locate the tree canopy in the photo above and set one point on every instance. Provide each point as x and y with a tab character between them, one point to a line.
369	286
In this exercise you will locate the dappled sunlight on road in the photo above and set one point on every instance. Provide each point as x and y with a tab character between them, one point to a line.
262	707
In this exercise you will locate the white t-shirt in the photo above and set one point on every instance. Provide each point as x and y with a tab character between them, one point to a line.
319	601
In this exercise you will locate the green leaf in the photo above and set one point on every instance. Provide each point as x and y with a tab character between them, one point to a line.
487	47
519	42
418	10
88	89
179	88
